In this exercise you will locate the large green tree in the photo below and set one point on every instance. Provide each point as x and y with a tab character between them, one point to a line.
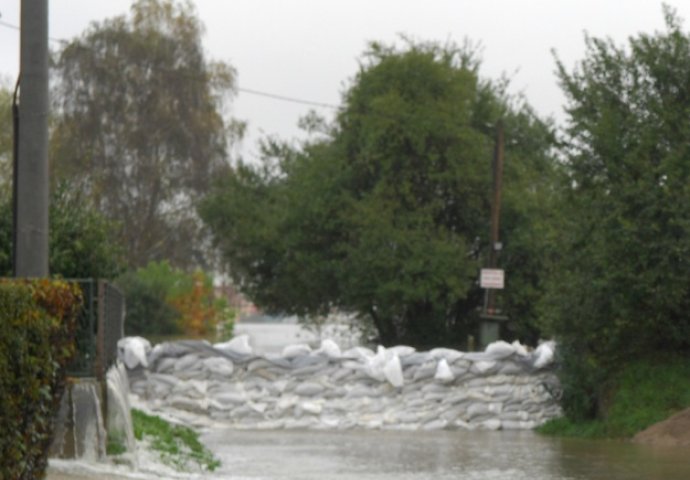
386	212
140	128
621	288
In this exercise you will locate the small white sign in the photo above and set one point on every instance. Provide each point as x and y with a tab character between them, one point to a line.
492	278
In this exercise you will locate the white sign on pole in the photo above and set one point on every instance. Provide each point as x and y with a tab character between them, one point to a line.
492	278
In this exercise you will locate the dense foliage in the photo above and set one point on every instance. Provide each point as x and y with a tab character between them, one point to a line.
621	287
38	321
164	300
645	391
139	126
386	212
82	242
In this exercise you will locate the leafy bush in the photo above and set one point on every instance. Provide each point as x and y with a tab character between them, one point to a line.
82	242
38	321
644	392
164	300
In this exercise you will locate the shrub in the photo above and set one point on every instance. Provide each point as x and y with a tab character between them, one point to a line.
38	322
163	300
82	241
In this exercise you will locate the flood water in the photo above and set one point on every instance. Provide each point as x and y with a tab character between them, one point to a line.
386	455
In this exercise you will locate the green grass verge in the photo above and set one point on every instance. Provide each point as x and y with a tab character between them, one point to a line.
178	445
646	391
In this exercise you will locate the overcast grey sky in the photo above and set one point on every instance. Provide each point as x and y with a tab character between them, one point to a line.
308	49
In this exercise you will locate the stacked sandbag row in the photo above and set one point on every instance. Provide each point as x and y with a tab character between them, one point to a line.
397	388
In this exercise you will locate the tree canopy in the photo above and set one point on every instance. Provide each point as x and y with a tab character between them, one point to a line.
622	283
386	213
140	126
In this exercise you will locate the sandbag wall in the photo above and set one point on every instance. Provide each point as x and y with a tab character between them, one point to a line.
504	387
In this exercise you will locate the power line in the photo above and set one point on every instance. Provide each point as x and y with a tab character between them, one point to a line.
17	28
9	25
250	91
287	99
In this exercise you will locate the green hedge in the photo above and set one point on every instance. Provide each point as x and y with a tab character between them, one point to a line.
37	324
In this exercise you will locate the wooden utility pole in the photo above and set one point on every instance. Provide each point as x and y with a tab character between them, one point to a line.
496	246
31	176
492	278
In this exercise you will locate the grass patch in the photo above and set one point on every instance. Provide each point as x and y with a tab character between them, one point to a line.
564	427
115	444
178	445
645	392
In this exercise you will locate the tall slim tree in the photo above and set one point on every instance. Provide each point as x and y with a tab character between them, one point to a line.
140	125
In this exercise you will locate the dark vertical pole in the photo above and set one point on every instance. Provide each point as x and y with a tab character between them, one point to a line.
495	212
32	166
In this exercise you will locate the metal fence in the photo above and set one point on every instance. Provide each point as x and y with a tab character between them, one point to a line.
100	326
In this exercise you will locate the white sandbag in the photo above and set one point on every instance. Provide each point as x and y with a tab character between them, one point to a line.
300	423
427	370
314	408
510	368
520	349
374	365
191	388
308	360
414	359
285	402
358	353
292	351
234	398
393	371
517	425
447	353
483	367
359	391
402	350
188	404
443	372
490	424
258	407
309	389
477	409
133	351
163	379
239	345
165	365
544	354
188	362
453	413
220	366
438	424
329	349
499	350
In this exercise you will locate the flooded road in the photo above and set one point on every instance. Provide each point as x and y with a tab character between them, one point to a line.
385	455
388	455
